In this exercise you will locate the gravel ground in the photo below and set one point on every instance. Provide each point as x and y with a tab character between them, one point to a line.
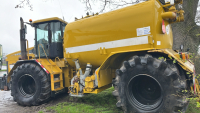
3	72
7	105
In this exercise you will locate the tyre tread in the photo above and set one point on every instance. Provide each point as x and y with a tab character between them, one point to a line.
158	64
45	85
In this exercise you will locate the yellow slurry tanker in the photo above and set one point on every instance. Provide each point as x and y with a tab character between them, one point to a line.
129	48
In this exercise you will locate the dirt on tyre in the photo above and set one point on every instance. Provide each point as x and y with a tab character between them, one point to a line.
30	85
145	84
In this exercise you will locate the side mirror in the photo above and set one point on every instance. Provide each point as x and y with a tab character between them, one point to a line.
171	1
25	28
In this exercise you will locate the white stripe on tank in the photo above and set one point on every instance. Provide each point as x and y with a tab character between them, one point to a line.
108	45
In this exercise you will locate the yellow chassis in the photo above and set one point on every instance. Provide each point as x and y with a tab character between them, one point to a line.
186	65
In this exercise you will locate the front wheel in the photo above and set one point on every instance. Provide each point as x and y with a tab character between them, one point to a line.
30	85
148	85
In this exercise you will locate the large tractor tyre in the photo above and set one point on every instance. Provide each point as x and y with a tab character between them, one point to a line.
145	84
30	85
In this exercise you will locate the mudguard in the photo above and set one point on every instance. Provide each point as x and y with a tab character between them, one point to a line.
187	65
19	62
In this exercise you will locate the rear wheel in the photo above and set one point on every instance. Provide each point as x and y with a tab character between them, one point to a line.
30	85
148	85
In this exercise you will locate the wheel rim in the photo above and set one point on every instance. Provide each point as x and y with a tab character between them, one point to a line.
145	92
27	85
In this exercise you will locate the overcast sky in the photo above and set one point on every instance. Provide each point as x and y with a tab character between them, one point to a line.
10	18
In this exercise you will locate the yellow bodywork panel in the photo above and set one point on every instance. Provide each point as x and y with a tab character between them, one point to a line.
14	57
55	74
104	77
98	36
49	19
185	64
68	75
106	71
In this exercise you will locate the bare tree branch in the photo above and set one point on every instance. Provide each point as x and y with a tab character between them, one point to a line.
109	4
27	2
124	3
104	6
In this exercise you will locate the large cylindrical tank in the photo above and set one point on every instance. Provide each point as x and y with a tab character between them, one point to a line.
135	27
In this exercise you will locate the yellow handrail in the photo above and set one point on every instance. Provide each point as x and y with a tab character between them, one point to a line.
43	50
197	87
45	55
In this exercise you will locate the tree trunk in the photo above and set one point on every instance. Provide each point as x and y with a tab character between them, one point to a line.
185	33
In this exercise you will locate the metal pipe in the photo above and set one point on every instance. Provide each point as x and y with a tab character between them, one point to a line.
27	49
22	40
78	66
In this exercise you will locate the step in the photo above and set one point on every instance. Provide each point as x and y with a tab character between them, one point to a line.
56	73
57	81
58	89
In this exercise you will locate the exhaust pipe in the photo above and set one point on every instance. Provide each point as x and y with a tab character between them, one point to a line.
22	40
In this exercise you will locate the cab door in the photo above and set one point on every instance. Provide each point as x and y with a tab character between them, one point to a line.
56	43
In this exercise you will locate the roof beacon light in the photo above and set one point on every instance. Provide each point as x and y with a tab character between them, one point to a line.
30	20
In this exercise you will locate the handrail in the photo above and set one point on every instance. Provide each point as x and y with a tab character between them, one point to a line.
27	49
58	59
45	55
43	50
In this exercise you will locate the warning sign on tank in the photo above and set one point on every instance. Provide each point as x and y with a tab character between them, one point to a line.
143	31
167	29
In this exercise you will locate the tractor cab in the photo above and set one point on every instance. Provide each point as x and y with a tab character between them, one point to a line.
49	37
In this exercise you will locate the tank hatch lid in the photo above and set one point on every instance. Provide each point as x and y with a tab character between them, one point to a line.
49	19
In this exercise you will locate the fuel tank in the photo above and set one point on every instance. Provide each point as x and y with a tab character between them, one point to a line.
136	27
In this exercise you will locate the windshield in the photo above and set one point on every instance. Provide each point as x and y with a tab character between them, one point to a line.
42	39
47	34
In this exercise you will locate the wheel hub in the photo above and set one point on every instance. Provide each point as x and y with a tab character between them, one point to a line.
27	85
145	92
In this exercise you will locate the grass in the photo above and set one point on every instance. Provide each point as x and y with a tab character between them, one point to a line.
67	107
3	70
4	65
103	102
192	108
